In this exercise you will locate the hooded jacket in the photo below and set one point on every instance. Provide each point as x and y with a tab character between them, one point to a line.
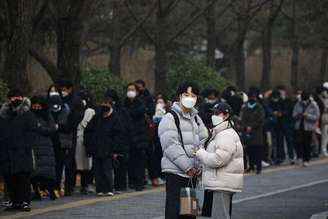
17	135
223	162
175	159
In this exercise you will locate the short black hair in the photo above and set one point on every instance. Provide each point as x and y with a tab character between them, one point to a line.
40	99
305	95
142	82
15	92
65	83
112	94
209	91
183	88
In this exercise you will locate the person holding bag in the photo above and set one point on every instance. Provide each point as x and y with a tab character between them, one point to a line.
180	132
223	164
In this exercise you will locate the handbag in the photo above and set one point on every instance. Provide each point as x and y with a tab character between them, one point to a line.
189	203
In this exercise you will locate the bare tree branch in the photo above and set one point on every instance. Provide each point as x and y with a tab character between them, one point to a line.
184	28
152	40
138	25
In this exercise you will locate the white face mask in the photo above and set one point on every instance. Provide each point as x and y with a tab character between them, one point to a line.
64	93
160	106
217	120
210	101
53	93
131	94
188	102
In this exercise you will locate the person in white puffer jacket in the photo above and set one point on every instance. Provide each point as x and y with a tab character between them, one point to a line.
223	164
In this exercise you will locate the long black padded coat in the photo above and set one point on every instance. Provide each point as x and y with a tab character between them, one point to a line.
43	147
17	134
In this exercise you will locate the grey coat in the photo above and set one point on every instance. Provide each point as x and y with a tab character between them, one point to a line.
175	160
313	115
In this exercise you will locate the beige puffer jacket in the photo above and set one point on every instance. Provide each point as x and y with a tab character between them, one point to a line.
223	163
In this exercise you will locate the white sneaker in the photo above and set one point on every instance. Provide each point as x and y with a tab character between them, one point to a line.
324	154
305	164
161	182
100	194
265	164
110	194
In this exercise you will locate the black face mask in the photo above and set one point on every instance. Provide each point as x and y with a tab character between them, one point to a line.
252	101
105	109
38	112
16	103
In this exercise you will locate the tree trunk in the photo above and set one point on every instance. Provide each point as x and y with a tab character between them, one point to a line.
294	66
239	56
115	62
240	65
295	50
69	33
20	14
161	54
323	64
211	37
266	57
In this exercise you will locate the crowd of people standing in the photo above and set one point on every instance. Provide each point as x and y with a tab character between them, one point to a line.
47	140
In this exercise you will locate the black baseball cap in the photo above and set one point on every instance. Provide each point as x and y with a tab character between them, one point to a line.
222	108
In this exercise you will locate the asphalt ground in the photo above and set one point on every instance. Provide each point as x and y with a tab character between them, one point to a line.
288	192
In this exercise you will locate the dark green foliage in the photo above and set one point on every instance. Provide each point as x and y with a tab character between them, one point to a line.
98	81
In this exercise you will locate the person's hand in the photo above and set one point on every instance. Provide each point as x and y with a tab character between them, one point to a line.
195	149
56	126
115	156
249	129
199	172
39	124
192	172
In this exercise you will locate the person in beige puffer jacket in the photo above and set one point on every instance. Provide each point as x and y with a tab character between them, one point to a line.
223	164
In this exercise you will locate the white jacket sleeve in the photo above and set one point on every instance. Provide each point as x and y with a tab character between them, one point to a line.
88	115
225	147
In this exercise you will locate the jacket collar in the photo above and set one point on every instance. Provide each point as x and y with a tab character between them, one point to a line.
177	108
221	127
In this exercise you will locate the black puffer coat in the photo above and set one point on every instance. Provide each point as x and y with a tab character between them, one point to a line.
17	137
137	110
43	148
103	136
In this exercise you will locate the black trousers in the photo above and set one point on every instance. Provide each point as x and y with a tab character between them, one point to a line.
59	158
282	132
174	183
255	155
19	187
84	174
137	165
303	144
103	174
120	173
154	156
70	170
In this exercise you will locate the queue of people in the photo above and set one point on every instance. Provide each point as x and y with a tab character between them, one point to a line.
119	144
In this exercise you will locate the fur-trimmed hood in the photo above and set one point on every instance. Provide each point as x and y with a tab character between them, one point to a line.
22	108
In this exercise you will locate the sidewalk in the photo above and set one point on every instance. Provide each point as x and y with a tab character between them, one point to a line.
78	201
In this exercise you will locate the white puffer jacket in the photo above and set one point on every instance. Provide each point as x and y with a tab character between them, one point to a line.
223	163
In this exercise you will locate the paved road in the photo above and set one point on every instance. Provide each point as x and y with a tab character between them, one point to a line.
283	193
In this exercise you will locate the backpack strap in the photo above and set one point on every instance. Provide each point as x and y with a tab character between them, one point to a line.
177	123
